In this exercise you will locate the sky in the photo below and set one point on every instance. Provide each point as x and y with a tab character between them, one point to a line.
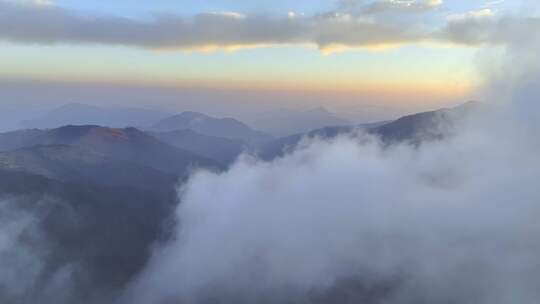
412	52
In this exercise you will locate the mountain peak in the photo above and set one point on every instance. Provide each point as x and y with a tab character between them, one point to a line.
191	115
84	114
229	128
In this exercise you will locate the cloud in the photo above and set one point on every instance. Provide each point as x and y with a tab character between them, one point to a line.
390	4
27	271
347	220
484	28
455	221
353	24
52	25
479	14
36	260
20	266
384	6
31	2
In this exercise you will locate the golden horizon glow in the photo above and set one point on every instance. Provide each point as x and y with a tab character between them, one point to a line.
441	72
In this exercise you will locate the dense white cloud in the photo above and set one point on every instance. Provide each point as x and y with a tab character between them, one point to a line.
351	24
453	221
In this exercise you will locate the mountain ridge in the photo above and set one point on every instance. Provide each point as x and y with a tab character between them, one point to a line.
128	144
226	127
84	114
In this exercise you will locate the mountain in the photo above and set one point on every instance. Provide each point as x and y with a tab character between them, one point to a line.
414	129
129	144
18	139
278	147
98	199
287	122
98	236
82	114
222	150
218	127
426	126
71	163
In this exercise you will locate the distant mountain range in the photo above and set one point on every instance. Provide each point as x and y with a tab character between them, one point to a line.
223	150
206	125
192	139
279	123
425	126
83	114
128	144
414	129
105	195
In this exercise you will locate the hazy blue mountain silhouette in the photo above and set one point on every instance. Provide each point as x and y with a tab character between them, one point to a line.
83	114
206	125
129	144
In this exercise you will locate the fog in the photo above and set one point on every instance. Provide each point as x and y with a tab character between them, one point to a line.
44	255
453	222
15	277
350	220
28	274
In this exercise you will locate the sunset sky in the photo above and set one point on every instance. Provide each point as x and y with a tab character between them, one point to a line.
402	49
